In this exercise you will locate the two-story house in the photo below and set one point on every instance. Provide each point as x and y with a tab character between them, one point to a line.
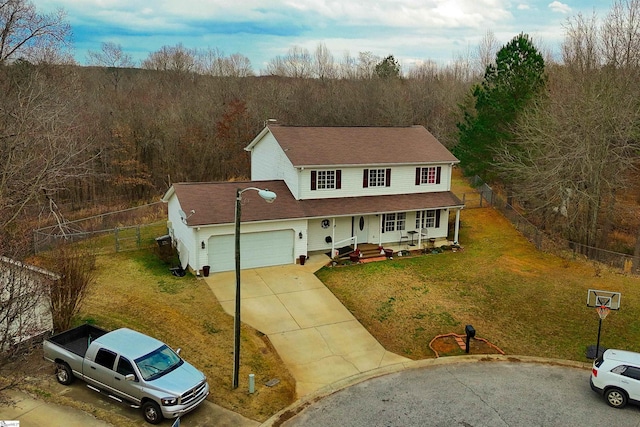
335	186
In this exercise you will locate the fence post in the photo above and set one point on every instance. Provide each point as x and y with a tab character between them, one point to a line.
138	238
115	233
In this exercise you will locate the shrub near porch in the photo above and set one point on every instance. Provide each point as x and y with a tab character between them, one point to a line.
522	300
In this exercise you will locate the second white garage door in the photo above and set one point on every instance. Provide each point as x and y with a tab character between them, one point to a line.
256	250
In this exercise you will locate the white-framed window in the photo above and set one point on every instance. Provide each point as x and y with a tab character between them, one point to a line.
428	219
425	219
428	175
394	221
377	177
326	179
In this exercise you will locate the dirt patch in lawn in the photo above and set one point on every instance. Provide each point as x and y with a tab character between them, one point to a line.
455	345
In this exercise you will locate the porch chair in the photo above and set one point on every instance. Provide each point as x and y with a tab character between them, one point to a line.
404	237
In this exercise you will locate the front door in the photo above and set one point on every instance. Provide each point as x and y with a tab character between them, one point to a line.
361	226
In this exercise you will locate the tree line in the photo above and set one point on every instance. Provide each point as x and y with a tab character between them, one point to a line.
560	136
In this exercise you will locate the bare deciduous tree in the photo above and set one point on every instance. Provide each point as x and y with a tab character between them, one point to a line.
113	59
27	34
486	52
426	70
171	58
77	271
110	55
580	48
574	151
323	63
367	62
296	63
213	62
621	35
42	147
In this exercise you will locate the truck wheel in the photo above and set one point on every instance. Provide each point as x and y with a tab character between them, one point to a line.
64	375
151	412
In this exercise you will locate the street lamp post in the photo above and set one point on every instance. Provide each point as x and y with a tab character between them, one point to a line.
269	197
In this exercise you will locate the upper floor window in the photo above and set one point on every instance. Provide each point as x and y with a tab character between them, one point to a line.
376	178
429	175
394	221
326	180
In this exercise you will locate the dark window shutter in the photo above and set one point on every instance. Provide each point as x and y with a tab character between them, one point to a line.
365	178
438	173
313	180
388	180
338	179
383	223
417	176
438	218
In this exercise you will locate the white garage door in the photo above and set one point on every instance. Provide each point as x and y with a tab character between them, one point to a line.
256	250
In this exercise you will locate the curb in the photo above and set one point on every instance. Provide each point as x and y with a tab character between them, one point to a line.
299	405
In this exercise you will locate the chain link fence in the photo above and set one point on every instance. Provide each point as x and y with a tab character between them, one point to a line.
484	196
123	230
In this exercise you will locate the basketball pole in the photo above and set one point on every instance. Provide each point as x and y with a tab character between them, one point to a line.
598	341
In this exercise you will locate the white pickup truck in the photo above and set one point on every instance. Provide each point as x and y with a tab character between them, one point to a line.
129	367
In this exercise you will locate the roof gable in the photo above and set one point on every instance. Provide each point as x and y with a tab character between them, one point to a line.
333	146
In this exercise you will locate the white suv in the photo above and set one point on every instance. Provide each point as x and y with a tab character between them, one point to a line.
616	376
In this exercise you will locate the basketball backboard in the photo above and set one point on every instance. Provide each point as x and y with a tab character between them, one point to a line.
597	298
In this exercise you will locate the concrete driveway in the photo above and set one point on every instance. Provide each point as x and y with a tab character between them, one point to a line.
315	335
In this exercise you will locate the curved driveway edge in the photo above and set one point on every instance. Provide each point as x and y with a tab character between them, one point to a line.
297	407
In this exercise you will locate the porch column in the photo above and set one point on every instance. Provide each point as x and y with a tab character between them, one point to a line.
457	228
333	237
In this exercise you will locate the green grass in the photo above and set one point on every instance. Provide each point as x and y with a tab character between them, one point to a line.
522	300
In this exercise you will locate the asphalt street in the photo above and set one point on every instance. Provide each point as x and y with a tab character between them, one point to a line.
483	394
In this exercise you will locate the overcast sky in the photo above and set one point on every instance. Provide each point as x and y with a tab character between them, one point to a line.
411	30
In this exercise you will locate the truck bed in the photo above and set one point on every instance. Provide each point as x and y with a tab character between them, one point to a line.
77	340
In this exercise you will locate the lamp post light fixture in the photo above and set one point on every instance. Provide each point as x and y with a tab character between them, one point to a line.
269	197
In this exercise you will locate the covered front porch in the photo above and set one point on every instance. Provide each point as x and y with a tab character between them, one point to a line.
414	230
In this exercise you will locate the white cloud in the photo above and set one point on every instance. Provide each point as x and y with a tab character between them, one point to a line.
411	30
393	13
559	7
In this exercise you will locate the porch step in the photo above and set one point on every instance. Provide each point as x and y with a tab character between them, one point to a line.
367	250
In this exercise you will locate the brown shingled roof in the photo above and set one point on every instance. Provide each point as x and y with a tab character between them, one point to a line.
322	146
214	203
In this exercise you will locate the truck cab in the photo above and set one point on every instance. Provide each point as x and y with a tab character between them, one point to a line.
131	367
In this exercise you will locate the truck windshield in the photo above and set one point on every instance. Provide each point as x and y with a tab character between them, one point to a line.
157	363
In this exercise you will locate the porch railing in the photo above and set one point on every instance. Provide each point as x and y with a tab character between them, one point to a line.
349	239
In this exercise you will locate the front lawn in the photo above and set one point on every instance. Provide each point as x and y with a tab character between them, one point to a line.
522	300
136	290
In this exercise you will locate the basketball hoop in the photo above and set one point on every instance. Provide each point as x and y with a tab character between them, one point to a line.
602	311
